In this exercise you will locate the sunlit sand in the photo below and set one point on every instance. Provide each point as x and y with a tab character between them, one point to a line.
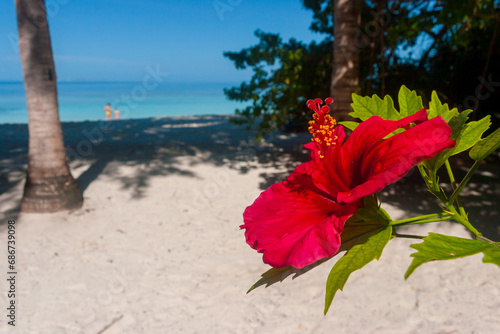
156	247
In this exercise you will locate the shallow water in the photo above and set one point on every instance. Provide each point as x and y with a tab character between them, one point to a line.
80	101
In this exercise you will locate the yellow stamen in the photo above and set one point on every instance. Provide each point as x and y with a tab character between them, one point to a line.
322	127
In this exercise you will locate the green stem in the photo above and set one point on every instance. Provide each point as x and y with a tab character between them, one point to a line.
464	181
434	217
454	187
424	174
488	240
433	185
456	216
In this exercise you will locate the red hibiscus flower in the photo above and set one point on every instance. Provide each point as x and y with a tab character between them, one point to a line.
299	221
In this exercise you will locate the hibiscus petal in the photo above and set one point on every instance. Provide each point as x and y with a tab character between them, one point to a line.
378	128
386	161
293	225
299	221
323	171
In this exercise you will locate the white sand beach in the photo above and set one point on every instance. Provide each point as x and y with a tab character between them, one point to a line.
156	247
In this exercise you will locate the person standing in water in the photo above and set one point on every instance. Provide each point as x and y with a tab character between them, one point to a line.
107	108
117	114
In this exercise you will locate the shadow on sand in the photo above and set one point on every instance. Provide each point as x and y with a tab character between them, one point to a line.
151	147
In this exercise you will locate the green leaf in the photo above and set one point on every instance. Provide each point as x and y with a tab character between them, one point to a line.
457	123
492	255
369	209
436	108
366	107
355	258
486	146
470	135
350	125
457	126
409	102
371	212
368	221
356	233
444	247
465	134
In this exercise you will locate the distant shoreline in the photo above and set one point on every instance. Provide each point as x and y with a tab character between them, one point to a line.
139	119
81	101
129	81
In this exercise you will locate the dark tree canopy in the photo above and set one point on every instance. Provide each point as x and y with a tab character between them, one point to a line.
285	74
448	46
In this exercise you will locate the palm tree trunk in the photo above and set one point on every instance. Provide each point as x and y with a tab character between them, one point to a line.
380	10
49	184
345	71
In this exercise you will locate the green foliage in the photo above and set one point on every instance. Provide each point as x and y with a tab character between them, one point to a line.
365	236
368	221
443	247
322	15
355	258
471	133
466	134
350	125
285	76
459	34
409	102
486	146
436	108
371	211
365	107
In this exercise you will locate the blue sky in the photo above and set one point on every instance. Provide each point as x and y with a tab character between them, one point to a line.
116	40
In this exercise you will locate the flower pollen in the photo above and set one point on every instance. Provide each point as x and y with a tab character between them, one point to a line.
322	127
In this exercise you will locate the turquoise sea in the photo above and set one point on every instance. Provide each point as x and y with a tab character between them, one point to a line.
80	101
